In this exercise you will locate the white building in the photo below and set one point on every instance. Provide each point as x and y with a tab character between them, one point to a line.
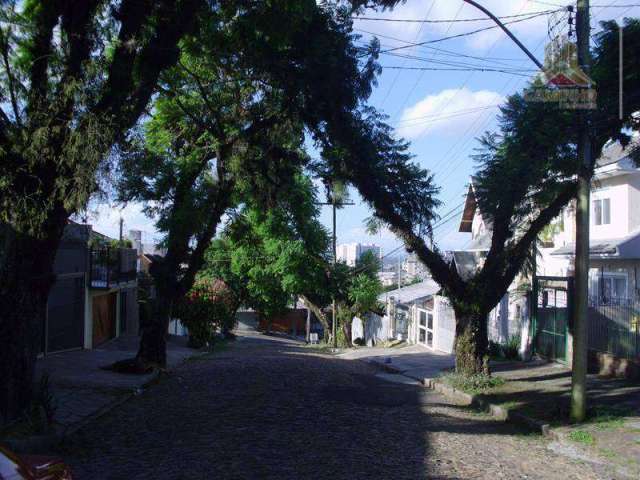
614	230
614	265
415	313
414	268
350	253
614	257
388	278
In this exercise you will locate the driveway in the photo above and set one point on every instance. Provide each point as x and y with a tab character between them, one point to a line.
269	408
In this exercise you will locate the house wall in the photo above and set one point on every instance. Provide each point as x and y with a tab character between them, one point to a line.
376	329
618	191
478	227
549	265
511	317
634	201
445	324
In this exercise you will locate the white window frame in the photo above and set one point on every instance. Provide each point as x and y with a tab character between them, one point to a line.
600	213
425	328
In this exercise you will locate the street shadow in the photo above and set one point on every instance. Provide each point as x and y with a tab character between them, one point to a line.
266	412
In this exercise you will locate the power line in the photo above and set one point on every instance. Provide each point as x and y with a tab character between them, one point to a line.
437	117
453	69
454	20
471	74
416	38
406	98
465	34
443	51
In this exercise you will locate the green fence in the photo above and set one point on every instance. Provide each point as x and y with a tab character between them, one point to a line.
614	326
551	314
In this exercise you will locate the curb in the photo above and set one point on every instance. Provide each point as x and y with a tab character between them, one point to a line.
493	409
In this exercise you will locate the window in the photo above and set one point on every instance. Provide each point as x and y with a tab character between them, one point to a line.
607	287
602	211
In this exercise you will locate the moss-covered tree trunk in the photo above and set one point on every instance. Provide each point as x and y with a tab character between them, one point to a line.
471	343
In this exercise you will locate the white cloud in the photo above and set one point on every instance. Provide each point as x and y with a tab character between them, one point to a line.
447	112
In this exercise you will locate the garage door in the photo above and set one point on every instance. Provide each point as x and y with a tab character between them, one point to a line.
64	323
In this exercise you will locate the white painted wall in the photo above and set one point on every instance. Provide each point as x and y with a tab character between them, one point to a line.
445	324
634	201
616	189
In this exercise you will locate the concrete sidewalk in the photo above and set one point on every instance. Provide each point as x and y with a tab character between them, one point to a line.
82	389
413	361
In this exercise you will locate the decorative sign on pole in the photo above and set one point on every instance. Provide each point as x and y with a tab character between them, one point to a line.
562	80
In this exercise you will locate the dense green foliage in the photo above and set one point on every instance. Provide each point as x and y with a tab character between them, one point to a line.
206	309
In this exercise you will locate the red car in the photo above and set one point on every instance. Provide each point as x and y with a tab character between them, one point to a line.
32	467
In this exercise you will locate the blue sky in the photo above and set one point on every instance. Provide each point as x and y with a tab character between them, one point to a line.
440	112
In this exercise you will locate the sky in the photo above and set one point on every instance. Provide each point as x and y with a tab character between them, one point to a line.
440	112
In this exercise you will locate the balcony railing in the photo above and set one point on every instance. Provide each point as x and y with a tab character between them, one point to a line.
110	267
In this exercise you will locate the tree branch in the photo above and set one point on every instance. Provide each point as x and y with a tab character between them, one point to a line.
45	19
513	257
4	46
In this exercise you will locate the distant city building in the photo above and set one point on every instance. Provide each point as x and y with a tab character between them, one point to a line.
136	242
350	253
414	268
388	278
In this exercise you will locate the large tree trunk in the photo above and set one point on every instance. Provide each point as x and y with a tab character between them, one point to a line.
471	342
26	266
153	341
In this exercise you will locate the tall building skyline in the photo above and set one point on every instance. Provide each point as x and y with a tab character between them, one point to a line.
350	253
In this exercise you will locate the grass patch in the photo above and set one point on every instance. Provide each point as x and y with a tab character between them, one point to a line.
608	453
607	417
583	437
472	384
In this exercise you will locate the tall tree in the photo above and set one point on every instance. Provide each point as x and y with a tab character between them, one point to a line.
358	146
76	76
274	255
526	177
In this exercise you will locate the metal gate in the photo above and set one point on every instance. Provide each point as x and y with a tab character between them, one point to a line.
552	311
64	323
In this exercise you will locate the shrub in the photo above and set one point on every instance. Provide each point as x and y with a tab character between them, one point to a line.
511	349
203	310
359	341
472	383
495	350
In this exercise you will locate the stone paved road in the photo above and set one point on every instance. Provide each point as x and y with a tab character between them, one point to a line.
269	409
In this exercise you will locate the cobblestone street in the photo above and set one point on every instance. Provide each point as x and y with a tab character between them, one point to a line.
268	408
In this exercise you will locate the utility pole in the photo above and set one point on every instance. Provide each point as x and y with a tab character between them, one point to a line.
121	223
334	327
581	271
579	316
334	205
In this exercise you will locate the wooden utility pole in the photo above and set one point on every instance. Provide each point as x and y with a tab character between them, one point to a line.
580	304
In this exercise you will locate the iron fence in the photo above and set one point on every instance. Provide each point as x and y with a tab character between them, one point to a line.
614	326
112	266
